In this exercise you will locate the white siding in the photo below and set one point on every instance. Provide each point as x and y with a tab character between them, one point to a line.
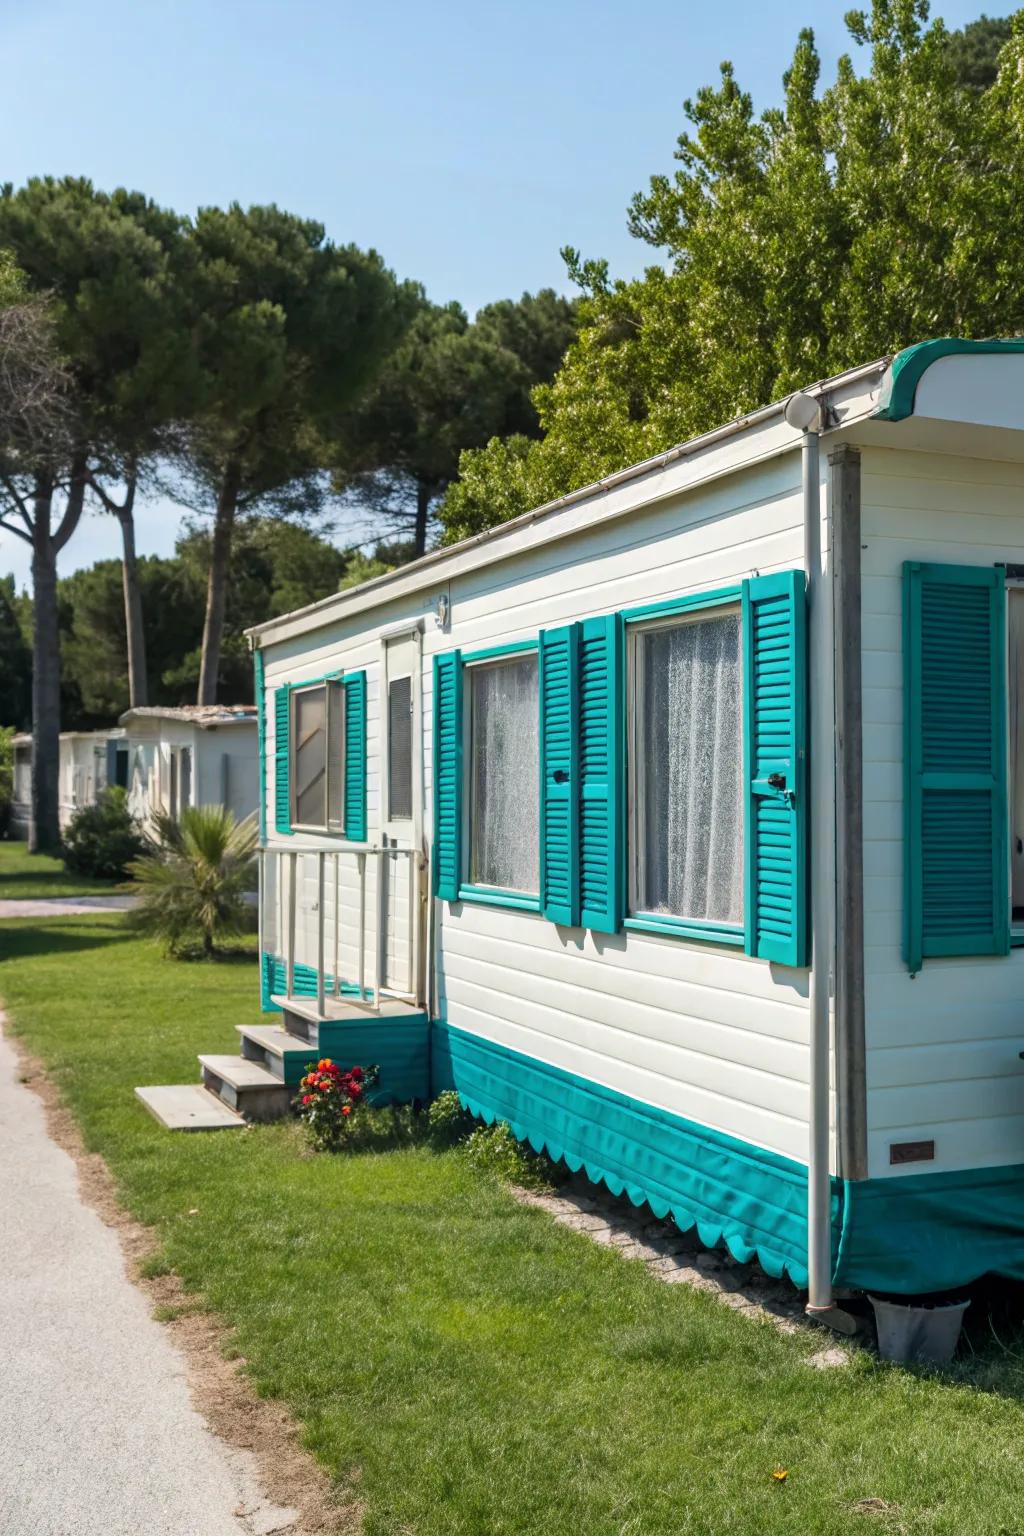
942	1047
698	1029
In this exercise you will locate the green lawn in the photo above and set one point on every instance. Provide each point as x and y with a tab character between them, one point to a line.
25	875
479	1369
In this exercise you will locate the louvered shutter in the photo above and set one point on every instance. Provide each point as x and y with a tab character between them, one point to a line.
559	775
282	785
601	771
956	853
775	745
447	747
355	756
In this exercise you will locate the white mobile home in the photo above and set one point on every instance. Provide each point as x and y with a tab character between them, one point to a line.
89	761
679	823
203	754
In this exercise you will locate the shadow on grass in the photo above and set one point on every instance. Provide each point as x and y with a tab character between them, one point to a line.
24	938
61	880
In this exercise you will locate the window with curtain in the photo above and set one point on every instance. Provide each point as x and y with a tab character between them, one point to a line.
504	785
318	756
686	769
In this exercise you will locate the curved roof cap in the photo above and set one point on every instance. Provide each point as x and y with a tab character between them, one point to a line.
904	373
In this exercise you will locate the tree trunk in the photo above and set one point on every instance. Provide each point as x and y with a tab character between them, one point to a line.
423	495
138	686
44	833
216	587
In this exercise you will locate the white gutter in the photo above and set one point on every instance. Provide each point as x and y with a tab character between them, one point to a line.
804	412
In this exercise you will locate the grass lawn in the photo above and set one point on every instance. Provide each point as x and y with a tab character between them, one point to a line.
478	1368
24	876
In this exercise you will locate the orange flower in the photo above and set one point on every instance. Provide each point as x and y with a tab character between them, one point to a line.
324	1064
346	1109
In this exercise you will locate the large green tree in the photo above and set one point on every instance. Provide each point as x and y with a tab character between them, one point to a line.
15	662
452	384
276	566
289	329
840	226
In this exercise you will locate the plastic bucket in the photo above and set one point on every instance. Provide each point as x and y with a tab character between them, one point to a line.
926	1334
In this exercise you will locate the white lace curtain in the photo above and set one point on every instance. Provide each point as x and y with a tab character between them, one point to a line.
504	783
688	767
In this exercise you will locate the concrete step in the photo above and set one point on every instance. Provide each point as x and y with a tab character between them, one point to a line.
189	1107
286	1056
247	1087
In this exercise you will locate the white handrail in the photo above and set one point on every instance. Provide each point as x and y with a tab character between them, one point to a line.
375	930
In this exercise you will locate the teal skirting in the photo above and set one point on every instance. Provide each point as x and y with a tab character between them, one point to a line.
753	1201
932	1231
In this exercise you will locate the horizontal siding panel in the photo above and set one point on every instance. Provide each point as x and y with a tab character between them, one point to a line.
958	1144
932	1104
957	1061
748	1122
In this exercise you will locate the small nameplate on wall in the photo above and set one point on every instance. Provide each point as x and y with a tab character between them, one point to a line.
911	1152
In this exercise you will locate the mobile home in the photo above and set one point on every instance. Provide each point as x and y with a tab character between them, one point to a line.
679	823
88	762
196	754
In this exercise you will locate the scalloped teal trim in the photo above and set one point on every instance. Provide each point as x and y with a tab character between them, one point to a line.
751	1201
904	373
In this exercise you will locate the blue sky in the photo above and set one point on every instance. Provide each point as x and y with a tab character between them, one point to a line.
466	142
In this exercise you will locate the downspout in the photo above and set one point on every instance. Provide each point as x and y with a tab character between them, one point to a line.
805	413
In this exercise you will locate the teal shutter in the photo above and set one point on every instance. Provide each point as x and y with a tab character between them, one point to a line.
602	774
355	757
956	837
282	787
559	775
775	749
447	775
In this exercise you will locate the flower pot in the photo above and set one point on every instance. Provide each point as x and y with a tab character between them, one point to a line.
920	1333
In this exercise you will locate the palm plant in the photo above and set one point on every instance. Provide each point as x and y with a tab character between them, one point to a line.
194	880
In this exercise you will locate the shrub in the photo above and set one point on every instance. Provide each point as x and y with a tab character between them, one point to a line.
447	1119
494	1151
329	1100
101	840
6	776
194	879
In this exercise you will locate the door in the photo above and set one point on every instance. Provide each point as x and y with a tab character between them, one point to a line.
401	808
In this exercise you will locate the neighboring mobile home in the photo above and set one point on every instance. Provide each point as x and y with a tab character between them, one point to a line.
202	754
89	761
640	746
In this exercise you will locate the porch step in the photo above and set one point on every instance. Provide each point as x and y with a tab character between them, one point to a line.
189	1107
304	1020
287	1057
246	1086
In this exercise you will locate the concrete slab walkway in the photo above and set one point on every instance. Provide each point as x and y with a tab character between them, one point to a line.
98	1435
63	906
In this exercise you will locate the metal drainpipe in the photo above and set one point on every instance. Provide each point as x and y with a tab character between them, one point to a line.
804	412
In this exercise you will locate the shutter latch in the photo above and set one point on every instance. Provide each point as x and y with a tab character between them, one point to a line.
560	776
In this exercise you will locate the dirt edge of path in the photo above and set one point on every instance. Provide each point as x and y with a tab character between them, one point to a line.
290	1476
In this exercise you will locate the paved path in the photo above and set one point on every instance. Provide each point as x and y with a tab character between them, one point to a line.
98	1436
64	906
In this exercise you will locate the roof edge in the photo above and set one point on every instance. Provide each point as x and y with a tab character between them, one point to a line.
338	600
907	369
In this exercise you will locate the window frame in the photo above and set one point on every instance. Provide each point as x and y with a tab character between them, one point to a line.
638	622
1011	584
333	689
471	891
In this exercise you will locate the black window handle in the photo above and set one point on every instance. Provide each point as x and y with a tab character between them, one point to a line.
561	776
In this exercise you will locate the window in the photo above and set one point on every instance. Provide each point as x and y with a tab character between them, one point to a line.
504	810
318	756
400	749
686	769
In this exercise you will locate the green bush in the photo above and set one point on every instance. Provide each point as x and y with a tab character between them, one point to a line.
194	879
102	839
6	776
447	1119
494	1151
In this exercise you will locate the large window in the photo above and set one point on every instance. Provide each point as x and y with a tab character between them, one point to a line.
504	811
318	757
686	828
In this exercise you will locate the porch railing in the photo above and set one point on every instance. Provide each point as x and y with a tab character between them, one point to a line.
369	903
